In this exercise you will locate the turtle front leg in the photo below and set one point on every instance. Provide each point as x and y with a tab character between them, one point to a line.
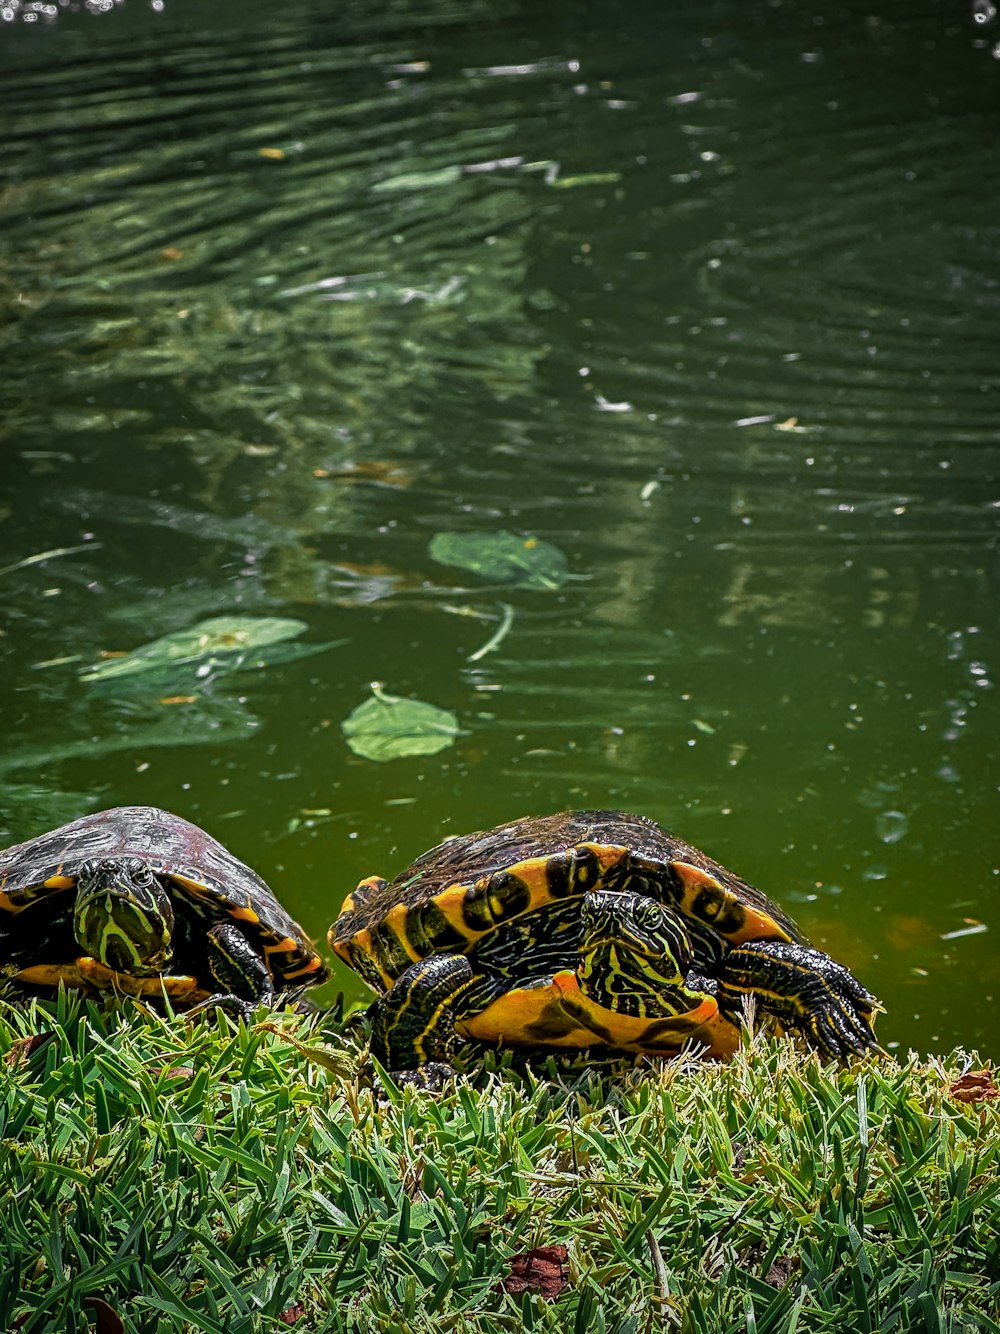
413	1024
803	989
241	974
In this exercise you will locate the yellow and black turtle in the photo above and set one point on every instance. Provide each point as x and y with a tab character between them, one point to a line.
140	901
584	929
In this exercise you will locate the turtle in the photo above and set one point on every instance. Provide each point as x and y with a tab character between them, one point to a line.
584	929
120	899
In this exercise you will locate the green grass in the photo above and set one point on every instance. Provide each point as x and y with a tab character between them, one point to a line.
219	1178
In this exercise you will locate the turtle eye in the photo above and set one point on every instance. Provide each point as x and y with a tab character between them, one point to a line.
139	871
649	913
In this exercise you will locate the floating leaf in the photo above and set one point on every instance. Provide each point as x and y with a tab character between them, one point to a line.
386	727
503	557
221	644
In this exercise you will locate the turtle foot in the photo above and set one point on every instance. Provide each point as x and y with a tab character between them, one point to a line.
805	990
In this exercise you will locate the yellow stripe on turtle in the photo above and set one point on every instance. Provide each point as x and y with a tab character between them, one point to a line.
456	917
286	945
242	914
58	881
358	954
608	855
311	965
87	972
50	974
431	1019
197	887
396	920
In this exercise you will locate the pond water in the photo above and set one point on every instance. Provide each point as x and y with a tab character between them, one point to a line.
705	294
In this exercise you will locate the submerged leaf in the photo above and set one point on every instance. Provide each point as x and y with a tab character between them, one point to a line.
586	178
386	727
504	557
419	180
218	637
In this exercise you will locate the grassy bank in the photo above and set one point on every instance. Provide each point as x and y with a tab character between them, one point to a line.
159	1177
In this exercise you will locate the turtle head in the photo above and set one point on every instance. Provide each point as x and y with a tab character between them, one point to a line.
123	916
634	952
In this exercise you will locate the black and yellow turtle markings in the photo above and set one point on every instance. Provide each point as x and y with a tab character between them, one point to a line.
527	885
356	953
286	947
310	966
362	892
202	890
704	1028
434	1005
413	1024
550	1012
49	974
707	900
461	914
427	930
19	899
398	940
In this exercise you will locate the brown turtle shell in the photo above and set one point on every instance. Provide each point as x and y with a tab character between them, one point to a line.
194	867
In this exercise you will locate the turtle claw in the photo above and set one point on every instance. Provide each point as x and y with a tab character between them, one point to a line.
840	1035
234	1006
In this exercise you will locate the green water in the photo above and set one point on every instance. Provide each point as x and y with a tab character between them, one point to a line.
706	294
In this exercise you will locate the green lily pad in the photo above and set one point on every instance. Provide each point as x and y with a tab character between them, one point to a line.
221	639
387	727
503	557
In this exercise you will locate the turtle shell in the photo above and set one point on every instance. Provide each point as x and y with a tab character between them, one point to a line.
200	874
529	871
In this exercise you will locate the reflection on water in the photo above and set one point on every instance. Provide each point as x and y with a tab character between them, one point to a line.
706	296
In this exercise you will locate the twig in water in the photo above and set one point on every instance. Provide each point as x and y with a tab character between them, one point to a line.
499	635
48	555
